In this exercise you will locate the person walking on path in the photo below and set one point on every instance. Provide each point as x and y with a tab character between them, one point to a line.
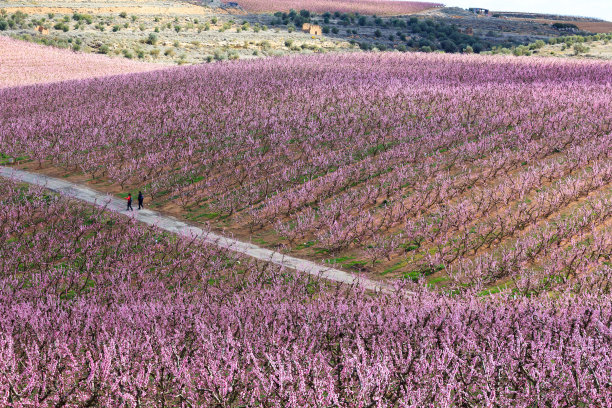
140	200
129	199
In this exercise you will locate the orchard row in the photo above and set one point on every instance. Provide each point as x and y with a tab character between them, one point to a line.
424	161
97	310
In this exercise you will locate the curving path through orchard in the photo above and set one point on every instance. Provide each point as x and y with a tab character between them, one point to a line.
173	225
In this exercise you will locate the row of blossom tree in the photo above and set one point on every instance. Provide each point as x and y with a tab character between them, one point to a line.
96	310
25	63
377	7
423	159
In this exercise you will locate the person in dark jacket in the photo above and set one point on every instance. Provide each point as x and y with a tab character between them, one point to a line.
129	199
140	200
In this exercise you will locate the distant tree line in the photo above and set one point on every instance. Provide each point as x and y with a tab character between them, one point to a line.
565	26
402	33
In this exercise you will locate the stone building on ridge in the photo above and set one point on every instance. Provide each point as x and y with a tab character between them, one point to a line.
42	30
312	29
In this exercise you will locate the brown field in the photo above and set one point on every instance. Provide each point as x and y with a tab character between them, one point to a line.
595	27
590	26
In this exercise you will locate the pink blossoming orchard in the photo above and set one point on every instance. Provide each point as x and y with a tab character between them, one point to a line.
96	310
378	7
463	176
472	168
24	63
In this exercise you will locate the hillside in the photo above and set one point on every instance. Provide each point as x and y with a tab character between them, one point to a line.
434	166
120	314
156	31
368	7
591	25
329	226
26	64
176	32
593	47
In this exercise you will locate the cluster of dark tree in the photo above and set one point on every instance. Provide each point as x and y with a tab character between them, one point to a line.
570	40
15	20
402	33
293	17
565	26
439	35
54	41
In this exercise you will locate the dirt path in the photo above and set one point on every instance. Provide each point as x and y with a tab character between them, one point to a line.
173	225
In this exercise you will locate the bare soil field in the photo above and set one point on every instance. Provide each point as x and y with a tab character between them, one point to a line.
589	26
595	27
